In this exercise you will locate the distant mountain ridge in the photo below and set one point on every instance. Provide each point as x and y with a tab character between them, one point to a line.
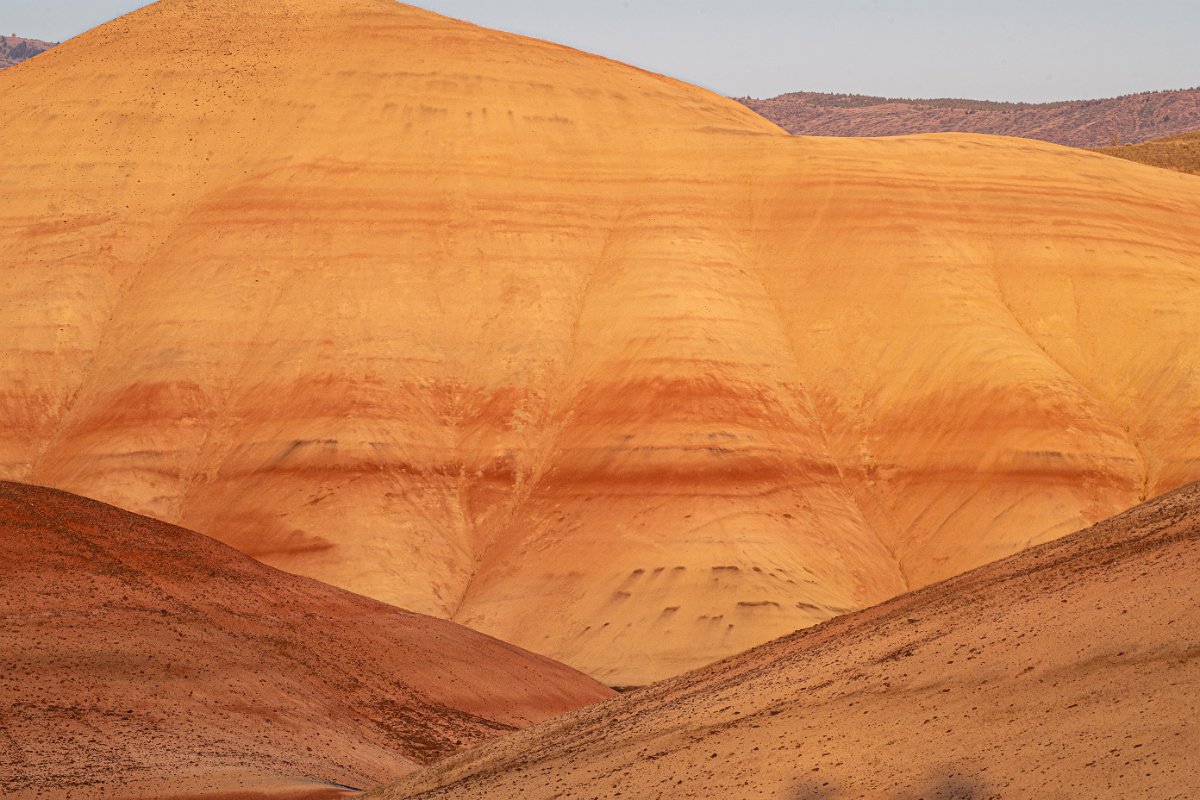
1131	118
14	49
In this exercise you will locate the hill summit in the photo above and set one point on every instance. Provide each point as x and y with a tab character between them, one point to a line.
583	357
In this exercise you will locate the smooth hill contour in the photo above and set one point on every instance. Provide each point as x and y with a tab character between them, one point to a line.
588	359
142	660
1072	670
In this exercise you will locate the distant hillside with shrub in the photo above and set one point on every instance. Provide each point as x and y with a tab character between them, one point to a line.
1080	123
14	49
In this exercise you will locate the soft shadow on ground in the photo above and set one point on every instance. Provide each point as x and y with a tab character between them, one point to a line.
944	785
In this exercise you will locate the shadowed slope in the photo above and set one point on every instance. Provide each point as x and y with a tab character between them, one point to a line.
143	660
588	359
1071	670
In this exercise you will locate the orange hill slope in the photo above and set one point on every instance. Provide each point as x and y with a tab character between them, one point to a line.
585	358
1072	670
144	660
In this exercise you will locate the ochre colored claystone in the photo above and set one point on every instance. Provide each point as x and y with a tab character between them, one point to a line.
589	359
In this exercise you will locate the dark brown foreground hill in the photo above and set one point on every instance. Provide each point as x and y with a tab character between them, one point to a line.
1069	671
1078	123
138	659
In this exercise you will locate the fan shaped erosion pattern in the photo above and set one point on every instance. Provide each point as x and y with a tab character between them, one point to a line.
586	358
1070	670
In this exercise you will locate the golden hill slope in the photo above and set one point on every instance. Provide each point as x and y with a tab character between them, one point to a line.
1180	153
144	660
1072	670
592	360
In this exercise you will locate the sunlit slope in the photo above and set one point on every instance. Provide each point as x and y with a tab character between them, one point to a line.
595	361
1069	671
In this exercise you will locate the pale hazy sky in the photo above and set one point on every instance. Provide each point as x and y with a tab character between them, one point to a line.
1012	50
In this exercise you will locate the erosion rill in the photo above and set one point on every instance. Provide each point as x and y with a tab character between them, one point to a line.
589	359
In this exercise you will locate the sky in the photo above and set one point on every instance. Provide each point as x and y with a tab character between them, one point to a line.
1027	50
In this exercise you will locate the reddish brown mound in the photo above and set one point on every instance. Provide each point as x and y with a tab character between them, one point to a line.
1071	670
138	657
1079	123
14	49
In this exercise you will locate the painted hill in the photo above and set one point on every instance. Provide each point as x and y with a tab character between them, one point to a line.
591	360
14	49
144	660
1180	153
1072	670
1079	123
